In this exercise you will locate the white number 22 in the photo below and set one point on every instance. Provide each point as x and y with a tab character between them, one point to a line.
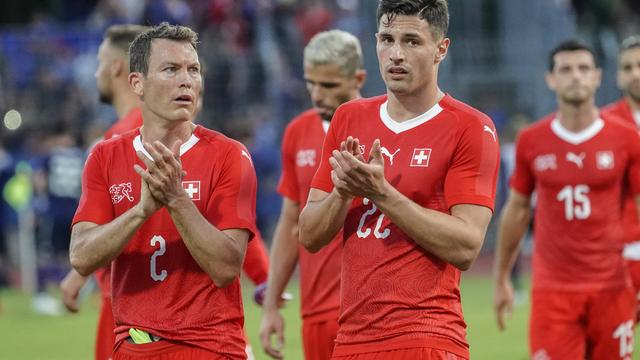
154	272
363	232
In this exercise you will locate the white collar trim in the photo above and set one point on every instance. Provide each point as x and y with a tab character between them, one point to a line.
137	145
576	138
325	125
398	127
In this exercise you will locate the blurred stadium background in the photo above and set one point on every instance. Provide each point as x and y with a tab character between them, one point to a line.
252	51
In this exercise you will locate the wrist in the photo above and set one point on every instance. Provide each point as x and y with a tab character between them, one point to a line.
179	202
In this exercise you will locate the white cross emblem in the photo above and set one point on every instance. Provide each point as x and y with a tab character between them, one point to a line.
604	160
192	188
420	157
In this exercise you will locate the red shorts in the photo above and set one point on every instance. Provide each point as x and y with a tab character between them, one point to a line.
578	325
105	336
318	337
404	354
163	350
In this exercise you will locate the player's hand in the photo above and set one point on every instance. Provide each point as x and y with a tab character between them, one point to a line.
503	302
352	176
70	289
148	203
164	174
272	323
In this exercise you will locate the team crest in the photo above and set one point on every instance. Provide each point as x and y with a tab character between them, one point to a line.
120	192
604	160
545	162
192	188
420	157
306	158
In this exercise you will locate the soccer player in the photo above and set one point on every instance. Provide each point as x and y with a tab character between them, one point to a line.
113	87
333	70
578	162
628	109
415	208
172	205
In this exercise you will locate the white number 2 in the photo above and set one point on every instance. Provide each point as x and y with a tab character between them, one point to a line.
576	202
624	332
364	232
154	272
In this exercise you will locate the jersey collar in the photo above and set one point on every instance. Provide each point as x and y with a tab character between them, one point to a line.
576	138
137	145
398	127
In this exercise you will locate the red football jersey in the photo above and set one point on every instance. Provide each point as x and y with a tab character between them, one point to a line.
156	284
393	291
579	180
131	121
319	272
622	110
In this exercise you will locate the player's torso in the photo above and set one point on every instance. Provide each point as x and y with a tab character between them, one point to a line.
579	184
388	280
319	272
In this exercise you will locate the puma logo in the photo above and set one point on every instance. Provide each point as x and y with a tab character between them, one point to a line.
491	131
576	159
386	153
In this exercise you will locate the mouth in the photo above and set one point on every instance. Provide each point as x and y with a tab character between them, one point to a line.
184	99
397	72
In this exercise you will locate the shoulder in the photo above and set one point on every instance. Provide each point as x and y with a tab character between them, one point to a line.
614	107
303	120
540	127
119	141
221	143
364	104
466	116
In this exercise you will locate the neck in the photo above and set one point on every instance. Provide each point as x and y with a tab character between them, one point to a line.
402	107
576	118
165	132
125	100
635	105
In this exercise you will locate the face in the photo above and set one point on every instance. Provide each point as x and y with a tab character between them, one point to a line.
575	77
408	54
103	79
173	82
629	73
329	88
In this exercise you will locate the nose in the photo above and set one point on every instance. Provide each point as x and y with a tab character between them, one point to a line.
317	94
396	53
186	80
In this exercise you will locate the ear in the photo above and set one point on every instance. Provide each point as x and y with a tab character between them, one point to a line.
116	68
136	81
361	77
550	80
442	49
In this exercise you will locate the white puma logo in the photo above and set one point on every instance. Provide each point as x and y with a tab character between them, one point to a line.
491	131
386	152
576	159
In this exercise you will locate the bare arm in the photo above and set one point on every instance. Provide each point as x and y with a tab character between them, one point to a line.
284	256
70	288
514	221
219	253
322	218
455	238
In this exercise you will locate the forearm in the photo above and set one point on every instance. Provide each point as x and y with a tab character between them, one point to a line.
512	228
321	220
448	237
217	254
94	247
284	257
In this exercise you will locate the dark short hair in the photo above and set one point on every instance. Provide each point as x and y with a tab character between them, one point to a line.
122	35
434	12
570	45
140	49
631	42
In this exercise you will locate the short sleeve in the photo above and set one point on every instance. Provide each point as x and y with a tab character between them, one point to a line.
633	172
288	184
232	202
472	176
322	179
522	179
95	202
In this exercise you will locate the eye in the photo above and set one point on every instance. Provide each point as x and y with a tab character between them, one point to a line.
413	42
170	69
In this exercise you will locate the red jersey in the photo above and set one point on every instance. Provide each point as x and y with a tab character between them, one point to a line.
157	286
319	272
395	293
131	121
622	110
579	179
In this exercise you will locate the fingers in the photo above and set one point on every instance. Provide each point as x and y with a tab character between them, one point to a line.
268	329
375	155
